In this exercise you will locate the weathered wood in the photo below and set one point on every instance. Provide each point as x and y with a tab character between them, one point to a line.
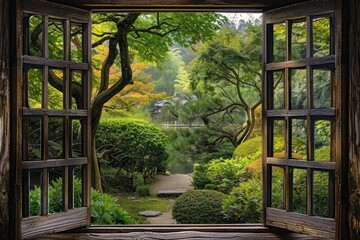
301	163
354	119
181	235
328	113
4	118
327	60
255	5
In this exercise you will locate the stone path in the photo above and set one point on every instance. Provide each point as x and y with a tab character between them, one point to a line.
173	183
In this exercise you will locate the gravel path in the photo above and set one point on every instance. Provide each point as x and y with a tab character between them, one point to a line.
170	182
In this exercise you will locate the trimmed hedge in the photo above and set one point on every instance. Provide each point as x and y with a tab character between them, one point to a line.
199	207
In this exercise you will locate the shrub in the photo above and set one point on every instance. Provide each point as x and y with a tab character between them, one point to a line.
222	174
143	190
199	207
136	146
244	204
104	208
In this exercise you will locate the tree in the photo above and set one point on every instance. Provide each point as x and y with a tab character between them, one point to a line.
128	37
226	88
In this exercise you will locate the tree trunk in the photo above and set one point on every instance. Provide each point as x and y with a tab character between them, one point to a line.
4	119
354	120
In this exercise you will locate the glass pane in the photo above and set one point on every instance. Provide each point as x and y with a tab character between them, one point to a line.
298	40
299	190
77	99
298	139
279	47
279	93
321	36
77	187
278	188
278	148
77	138
321	194
56	190
322	88
76	43
34	79
298	89
56	39
322	141
35	36
55	89
56	138
34	188
33	133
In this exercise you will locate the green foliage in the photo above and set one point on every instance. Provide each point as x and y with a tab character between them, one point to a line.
143	190
104	208
199	207
244	203
136	146
220	174
251	147
322	154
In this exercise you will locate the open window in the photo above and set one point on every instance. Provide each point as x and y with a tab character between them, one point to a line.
54	65
301	113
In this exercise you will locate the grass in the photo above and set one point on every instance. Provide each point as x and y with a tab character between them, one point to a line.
134	205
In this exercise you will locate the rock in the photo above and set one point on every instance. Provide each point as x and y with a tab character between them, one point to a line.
150	213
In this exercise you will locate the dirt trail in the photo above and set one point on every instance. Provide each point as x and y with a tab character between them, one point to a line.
174	182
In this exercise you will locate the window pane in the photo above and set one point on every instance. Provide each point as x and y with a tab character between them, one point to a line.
56	39
77	190
77	96
278	188
33	134
321	194
56	190
321	36
34	189
279	47
322	141
76	43
55	89
35	36
77	138
278	147
56	138
298	139
322	88
298	89
299	190
298	40
35	89
278	90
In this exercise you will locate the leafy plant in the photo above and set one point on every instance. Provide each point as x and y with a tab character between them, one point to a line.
199	207
143	190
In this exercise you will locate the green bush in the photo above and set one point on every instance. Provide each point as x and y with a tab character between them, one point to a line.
143	190
221	174
137	147
199	207
244	203
104	208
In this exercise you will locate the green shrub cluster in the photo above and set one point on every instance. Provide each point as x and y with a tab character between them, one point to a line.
143	190
199	207
136	146
104	208
220	174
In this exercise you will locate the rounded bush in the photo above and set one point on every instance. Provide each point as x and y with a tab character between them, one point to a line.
199	207
143	190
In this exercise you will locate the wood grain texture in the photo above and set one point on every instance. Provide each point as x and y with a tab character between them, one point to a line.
354	120
189	235
255	5
4	118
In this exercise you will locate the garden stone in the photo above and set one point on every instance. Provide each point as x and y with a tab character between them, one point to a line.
150	213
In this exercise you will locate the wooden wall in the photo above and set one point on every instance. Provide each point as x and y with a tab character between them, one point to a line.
354	118
4	118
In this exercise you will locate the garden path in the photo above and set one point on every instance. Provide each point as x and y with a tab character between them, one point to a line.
171	182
